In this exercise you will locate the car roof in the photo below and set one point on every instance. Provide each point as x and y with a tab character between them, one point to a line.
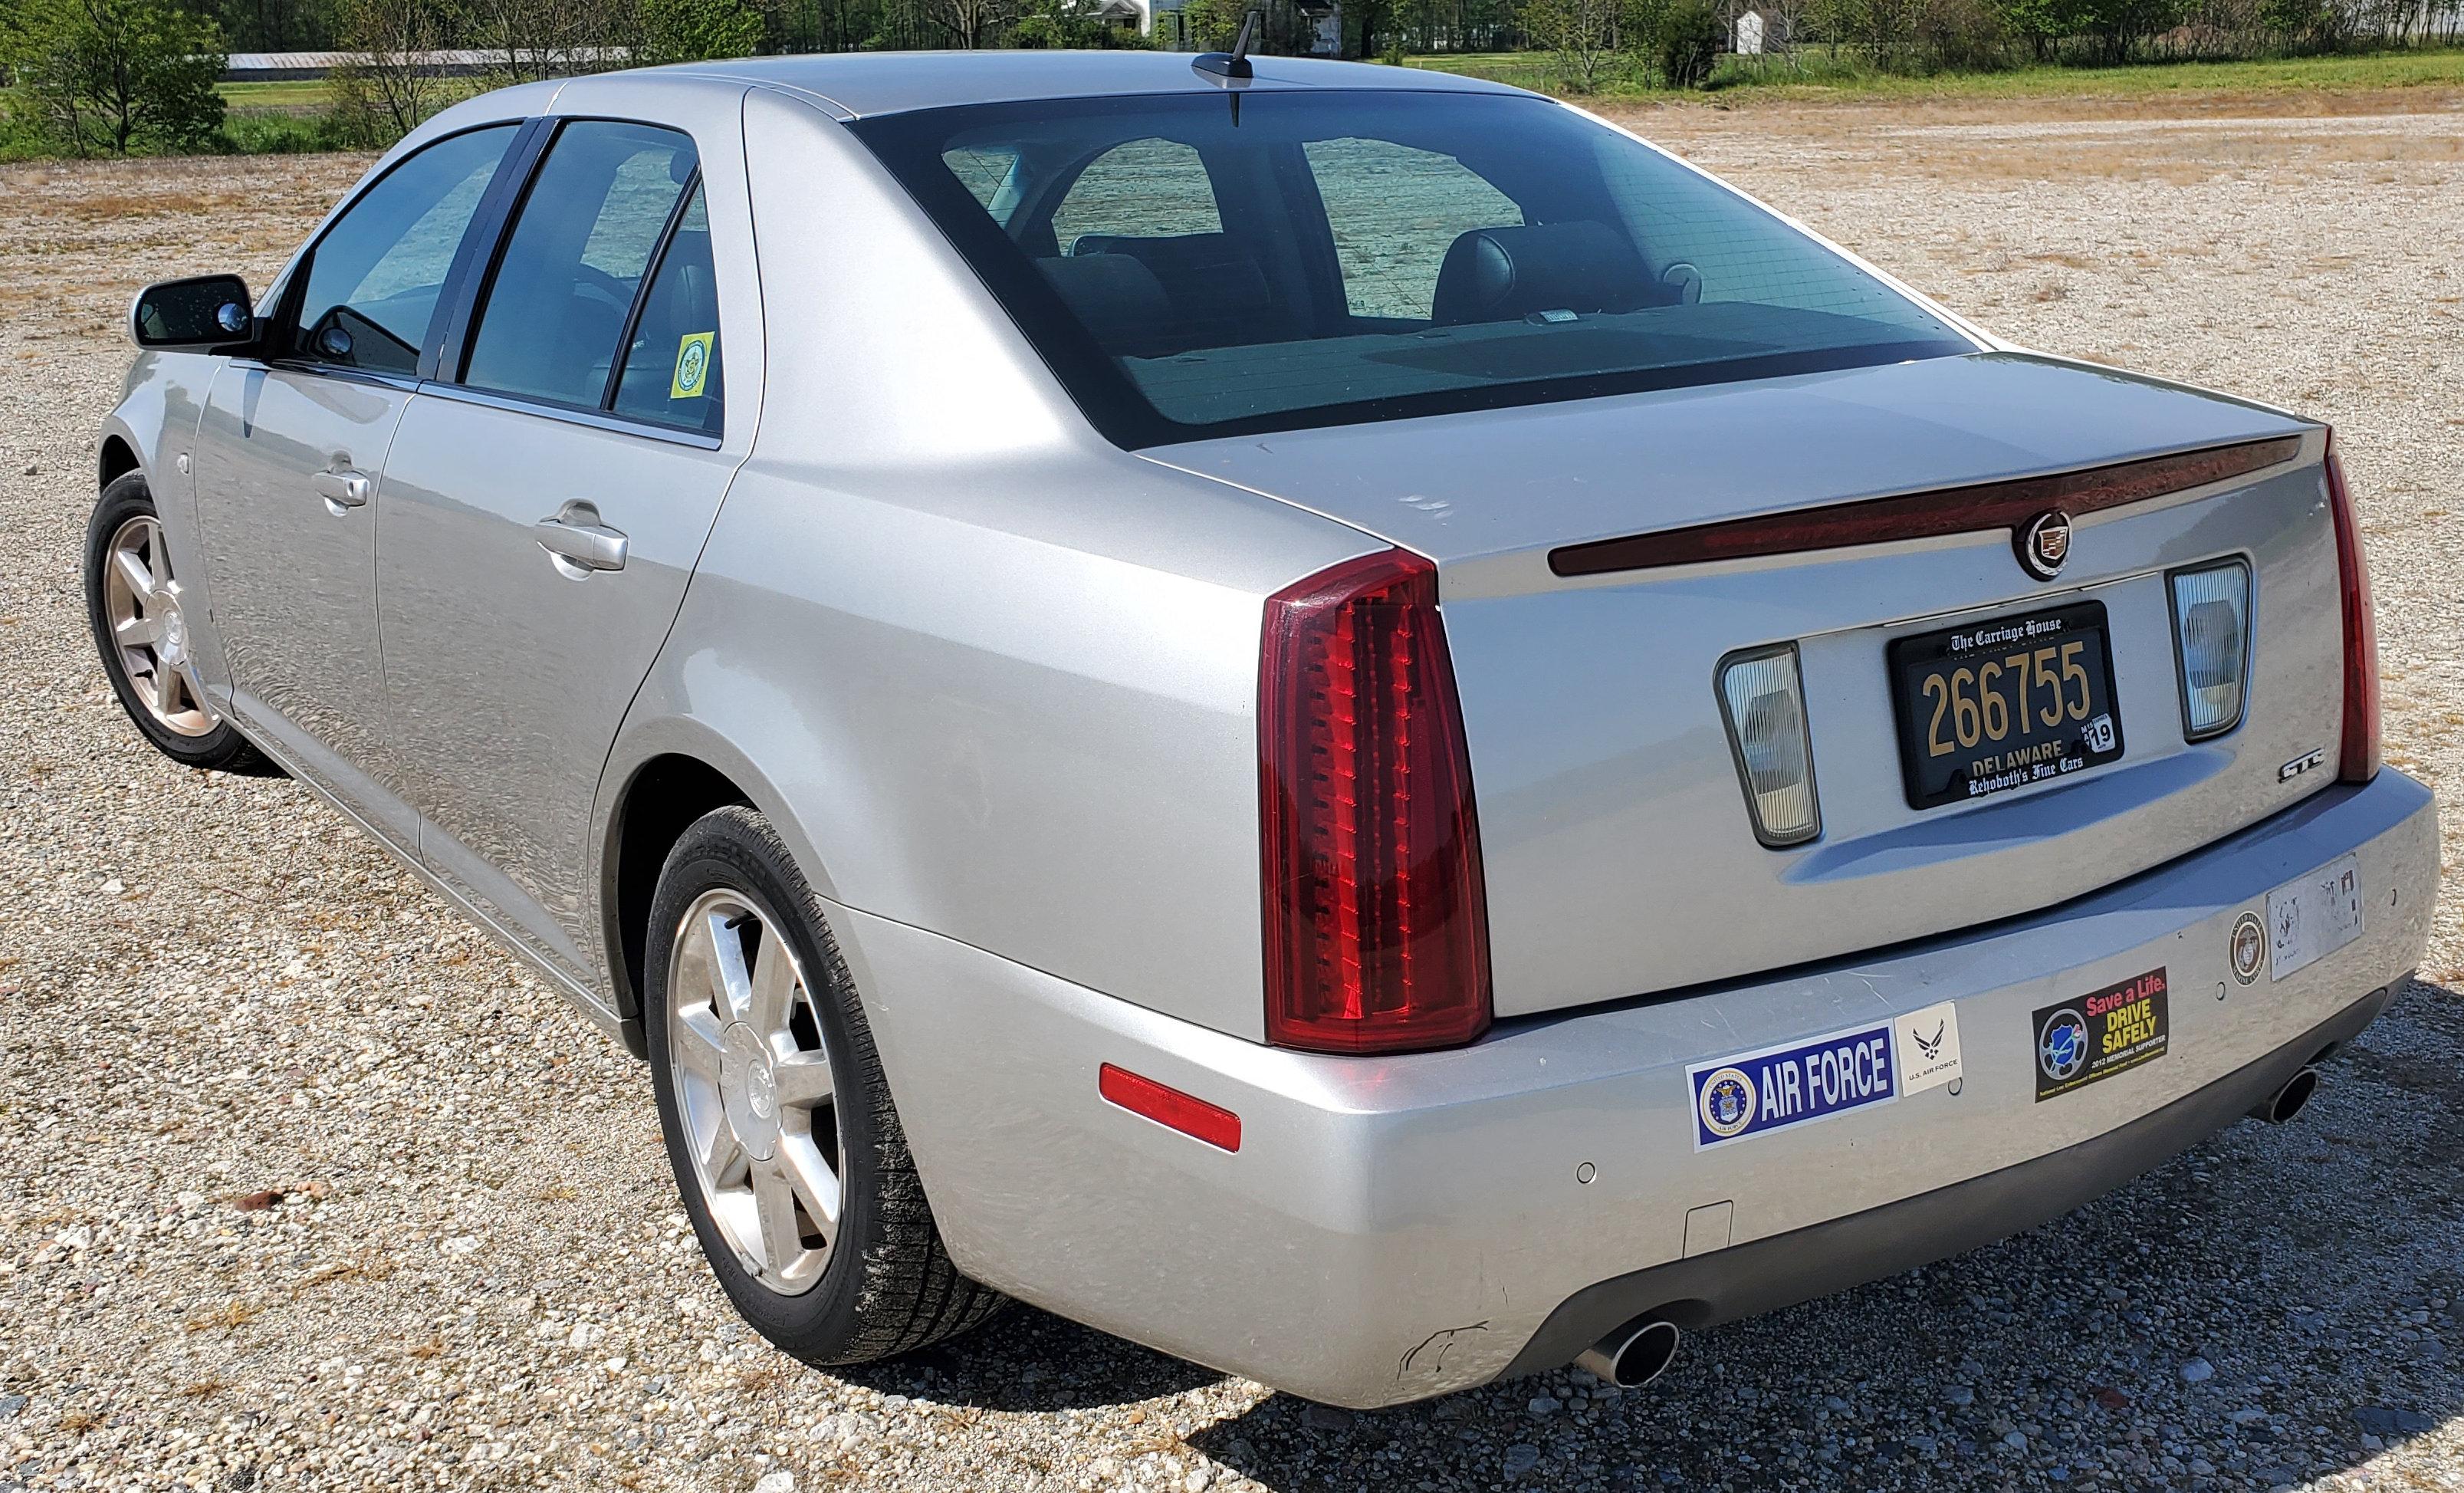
862	84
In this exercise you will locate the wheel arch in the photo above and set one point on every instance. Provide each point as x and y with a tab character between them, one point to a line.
117	458
663	776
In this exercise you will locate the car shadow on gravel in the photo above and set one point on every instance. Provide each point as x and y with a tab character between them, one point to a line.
2273	1307
1030	1360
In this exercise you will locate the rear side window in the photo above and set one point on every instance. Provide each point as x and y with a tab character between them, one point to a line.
1197	265
671	370
374	278
556	310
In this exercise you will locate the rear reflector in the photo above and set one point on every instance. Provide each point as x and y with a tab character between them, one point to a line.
2359	762
1169	1107
1376	924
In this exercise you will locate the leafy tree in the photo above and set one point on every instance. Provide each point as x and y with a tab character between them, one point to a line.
115	75
691	30
1689	43
1580	37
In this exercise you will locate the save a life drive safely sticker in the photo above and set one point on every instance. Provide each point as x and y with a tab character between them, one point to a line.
2103	1033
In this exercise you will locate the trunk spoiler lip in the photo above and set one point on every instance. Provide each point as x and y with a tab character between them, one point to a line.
2007	503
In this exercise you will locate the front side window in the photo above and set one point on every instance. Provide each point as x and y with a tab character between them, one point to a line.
1202	265
555	313
374	280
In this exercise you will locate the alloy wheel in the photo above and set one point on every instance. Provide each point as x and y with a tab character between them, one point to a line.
142	602
752	1082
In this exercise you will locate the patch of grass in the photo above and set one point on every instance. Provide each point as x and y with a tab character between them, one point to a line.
1819	76
300	96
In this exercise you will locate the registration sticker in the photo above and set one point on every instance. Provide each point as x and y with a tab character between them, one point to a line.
1792	1083
2100	1034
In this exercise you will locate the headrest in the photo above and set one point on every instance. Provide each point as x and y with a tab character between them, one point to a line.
1505	273
1119	300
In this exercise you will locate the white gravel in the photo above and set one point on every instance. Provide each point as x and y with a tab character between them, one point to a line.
308	1187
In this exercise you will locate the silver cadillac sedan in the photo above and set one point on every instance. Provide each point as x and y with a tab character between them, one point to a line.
1337	719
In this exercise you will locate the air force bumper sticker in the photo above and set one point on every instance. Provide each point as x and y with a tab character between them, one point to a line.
1778	1086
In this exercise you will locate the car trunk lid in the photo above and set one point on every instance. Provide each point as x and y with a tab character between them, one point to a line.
1618	854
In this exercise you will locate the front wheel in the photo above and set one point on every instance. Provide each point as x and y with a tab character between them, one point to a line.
779	1125
138	610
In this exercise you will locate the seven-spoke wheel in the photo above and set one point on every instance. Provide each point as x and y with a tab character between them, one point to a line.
752	1077
791	1158
146	628
140	600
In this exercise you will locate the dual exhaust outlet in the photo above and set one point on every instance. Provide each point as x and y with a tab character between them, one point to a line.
1642	1351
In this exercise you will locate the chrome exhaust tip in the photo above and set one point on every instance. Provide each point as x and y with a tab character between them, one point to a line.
1633	1355
2287	1102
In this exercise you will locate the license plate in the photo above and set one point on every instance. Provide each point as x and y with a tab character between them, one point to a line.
2004	703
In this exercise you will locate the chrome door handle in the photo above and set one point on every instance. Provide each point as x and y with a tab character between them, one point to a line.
340	490
579	544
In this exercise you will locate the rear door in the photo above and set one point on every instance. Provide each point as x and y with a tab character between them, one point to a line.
547	501
289	457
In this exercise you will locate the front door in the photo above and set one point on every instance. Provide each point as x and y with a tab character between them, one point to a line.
546	502
290	461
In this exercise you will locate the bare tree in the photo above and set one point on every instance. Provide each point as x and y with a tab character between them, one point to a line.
394	82
970	23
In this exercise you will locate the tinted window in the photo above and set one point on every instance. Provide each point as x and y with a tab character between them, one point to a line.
672	372
374	278
1395	211
1147	189
565	282
1324	257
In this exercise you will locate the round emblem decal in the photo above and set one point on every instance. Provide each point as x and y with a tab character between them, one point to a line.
2043	543
1728	1103
2249	947
2062	1047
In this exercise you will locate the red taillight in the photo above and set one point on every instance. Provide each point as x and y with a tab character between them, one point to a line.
1168	1105
2359	760
1375	920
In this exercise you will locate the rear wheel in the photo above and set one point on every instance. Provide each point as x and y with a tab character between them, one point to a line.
779	1125
138	609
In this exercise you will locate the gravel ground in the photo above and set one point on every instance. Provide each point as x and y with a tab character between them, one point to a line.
308	1186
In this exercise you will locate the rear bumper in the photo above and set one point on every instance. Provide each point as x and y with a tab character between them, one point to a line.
1396	1228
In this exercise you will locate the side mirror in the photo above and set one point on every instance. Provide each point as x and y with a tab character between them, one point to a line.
204	313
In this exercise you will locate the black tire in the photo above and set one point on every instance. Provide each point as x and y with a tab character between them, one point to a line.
887	1285
221	749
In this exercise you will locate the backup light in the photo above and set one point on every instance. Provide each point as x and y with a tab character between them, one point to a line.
1377	922
2211	643
1762	697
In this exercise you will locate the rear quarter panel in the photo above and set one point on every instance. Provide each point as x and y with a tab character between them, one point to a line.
994	678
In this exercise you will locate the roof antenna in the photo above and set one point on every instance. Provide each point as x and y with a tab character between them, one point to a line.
1234	63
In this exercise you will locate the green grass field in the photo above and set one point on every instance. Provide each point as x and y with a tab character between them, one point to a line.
302	96
1818	78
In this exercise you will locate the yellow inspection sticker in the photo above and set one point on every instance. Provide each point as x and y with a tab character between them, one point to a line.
693	366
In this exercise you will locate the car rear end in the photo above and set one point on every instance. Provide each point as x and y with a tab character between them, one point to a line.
1796	802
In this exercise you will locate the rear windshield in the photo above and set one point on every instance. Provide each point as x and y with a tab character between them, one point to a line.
1197	265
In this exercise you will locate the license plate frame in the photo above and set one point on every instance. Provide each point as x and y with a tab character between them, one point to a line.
1933	778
